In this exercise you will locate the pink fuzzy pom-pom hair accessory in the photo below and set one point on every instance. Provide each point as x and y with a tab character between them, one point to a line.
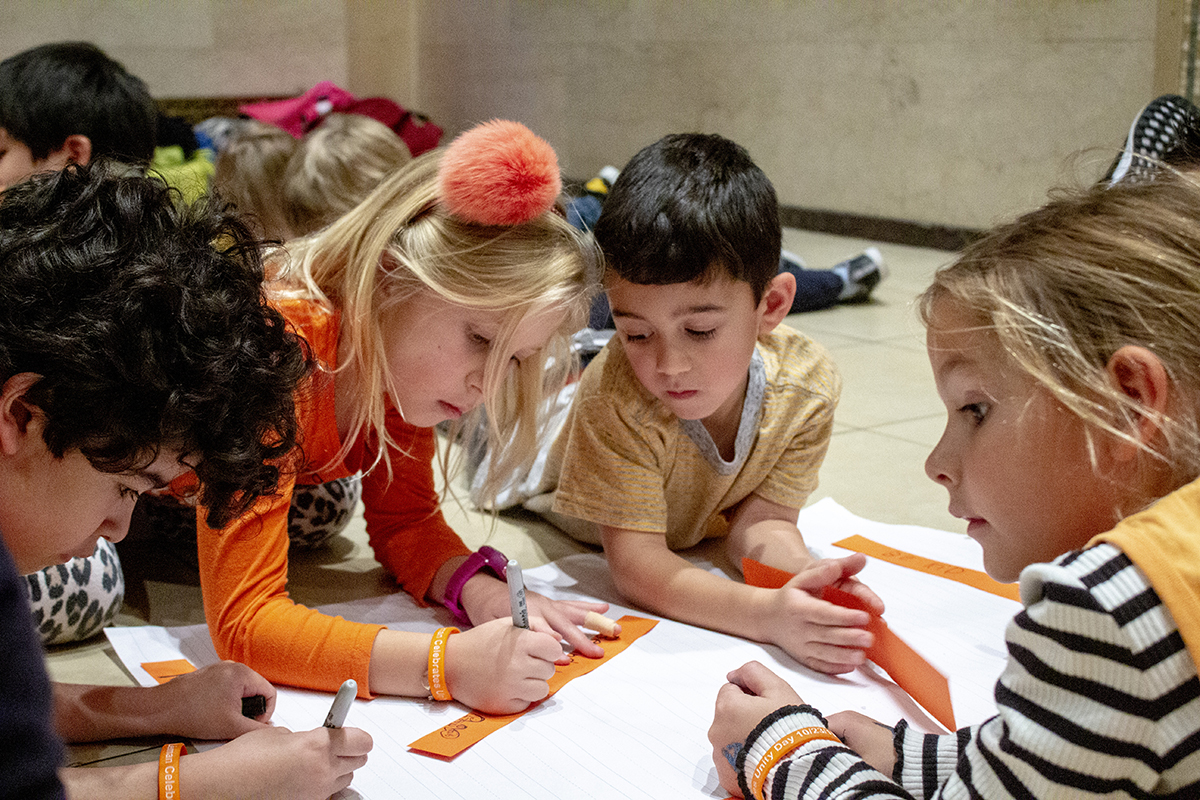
499	173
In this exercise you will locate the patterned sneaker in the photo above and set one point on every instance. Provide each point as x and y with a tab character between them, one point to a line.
1167	131
861	274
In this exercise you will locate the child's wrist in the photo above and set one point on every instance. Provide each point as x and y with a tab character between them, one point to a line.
168	771
775	738
435	672
763	618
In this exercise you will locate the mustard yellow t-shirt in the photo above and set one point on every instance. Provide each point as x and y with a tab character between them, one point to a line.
628	462
1164	541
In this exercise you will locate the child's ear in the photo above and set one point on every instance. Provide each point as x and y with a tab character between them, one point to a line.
75	149
776	302
15	411
1140	375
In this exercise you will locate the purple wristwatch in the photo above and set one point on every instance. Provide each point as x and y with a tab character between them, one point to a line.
484	558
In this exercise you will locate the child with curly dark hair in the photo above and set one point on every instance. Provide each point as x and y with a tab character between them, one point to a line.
136	346
67	103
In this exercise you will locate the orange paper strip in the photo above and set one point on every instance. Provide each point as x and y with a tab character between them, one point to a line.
907	668
449	741
971	577
163	671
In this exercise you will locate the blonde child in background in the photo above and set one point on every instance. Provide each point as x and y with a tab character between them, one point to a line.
336	165
295	188
1066	350
450	287
249	173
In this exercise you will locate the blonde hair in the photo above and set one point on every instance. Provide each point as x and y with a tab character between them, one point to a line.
400	241
249	173
1065	286
337	164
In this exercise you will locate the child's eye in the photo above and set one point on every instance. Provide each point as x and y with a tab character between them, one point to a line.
977	410
708	334
479	339
634	337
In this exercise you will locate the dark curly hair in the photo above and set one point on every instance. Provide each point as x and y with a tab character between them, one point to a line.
692	206
146	320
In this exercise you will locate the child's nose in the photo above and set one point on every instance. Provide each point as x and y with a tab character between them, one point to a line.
670	360
937	464
116	526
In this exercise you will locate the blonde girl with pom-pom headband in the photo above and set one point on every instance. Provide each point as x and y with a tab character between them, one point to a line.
448	290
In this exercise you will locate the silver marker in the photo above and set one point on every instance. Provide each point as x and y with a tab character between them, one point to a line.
341	704
516	594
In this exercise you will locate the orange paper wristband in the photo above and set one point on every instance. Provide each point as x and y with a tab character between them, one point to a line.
780	749
437	664
168	771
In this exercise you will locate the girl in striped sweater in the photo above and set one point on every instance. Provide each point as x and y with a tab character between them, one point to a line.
1066	347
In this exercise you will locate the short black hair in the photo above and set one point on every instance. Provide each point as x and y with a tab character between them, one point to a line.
58	90
687	207
146	320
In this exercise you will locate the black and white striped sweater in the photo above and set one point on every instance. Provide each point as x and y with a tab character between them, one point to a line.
1100	698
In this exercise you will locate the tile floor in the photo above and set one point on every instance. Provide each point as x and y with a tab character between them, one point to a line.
888	420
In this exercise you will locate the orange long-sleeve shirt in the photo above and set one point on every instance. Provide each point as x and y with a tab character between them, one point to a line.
243	567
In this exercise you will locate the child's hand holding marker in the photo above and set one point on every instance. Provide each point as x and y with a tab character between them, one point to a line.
274	762
464	668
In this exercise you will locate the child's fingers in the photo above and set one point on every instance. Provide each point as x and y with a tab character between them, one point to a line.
862	592
581	607
756	679
351	743
816	576
854	638
532	690
820	612
851	564
832	660
542	646
568	630
563	618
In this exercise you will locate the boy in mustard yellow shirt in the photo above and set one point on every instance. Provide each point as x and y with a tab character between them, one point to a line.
704	417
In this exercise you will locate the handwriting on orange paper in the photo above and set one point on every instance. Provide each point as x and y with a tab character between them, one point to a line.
970	577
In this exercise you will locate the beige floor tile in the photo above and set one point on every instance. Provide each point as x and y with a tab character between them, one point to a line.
883	384
879	320
882	478
925	431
